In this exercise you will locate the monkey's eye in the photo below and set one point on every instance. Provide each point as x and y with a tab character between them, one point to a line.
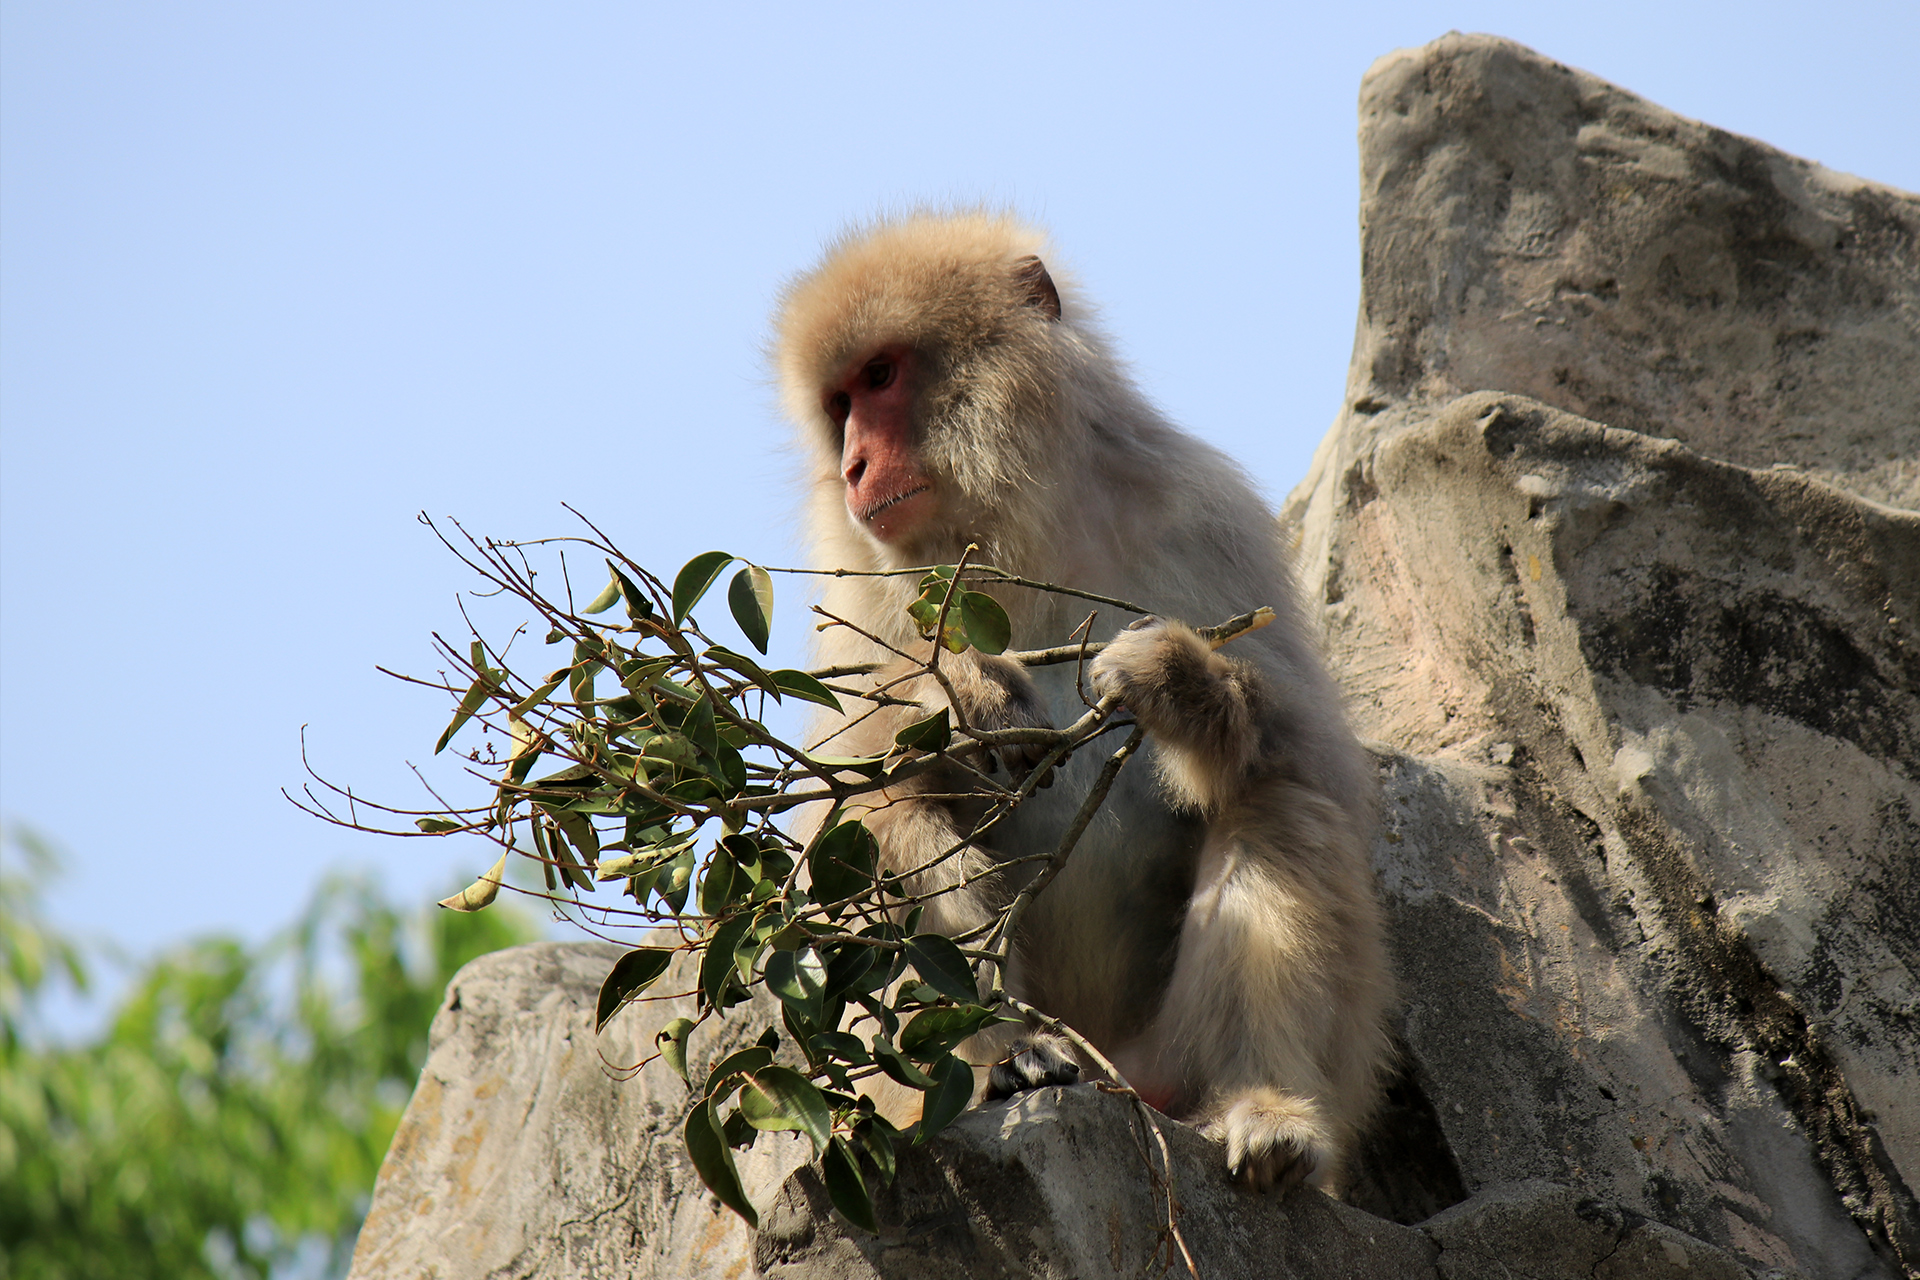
879	373
839	405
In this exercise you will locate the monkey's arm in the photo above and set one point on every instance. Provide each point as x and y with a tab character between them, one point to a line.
1268	1035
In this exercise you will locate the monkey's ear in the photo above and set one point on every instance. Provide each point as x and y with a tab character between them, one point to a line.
1031	275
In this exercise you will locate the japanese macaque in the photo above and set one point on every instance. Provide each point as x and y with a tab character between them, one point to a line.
1215	931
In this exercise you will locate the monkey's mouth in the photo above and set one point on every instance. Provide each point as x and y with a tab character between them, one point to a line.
867	516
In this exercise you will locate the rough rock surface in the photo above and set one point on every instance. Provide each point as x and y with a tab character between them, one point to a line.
1648	692
1610	550
1527	227
523	1153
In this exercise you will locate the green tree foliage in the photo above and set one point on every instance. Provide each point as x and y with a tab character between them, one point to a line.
233	1113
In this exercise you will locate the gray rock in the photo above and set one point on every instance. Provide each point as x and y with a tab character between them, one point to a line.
1648	711
1666	952
524	1153
1526	227
1056	1184
1604	555
1539	1231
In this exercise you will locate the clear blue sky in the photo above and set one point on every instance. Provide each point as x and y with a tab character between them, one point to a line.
278	276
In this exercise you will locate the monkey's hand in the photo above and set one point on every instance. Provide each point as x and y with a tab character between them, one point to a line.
996	693
1273	1139
1202	709
1033	1062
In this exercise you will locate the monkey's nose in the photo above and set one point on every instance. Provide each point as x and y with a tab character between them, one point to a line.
854	470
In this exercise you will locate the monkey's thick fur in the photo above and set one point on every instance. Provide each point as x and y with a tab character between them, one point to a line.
1215	932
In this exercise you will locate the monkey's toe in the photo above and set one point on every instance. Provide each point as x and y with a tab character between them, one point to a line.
1032	1063
1273	1140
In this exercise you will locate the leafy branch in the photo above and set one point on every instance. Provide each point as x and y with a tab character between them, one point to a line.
658	810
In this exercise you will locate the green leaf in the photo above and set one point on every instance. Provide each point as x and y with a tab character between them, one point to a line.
846	1188
941	966
931	734
638	674
469	704
745	850
631	974
717	888
805	687
672	1040
870	766
729	767
699	727
984	622
841	862
676	880
713	1160
437	826
843	1045
580	835
932	1032
799	979
717	962
782	1098
945	1102
875	1137
849	965
741	1062
638	606
750	596
740	664
481	892
895	1065
691	583
606	599
924	613
534	699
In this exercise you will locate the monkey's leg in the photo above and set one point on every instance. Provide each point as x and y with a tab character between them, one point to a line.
1270	1023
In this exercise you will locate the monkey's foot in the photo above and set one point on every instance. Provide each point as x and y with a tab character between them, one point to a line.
1033	1063
1273	1139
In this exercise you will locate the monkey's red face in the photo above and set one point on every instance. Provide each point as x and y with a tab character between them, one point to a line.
888	491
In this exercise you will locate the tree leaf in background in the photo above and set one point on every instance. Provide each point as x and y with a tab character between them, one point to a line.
475	695
984	621
931	734
803	686
713	1161
716	963
842	861
672	1040
941	966
845	1187
631	974
481	892
932	1032
750	596
945	1102
717	886
606	599
782	1098
691	583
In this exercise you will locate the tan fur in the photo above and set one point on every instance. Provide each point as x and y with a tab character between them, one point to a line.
1215	931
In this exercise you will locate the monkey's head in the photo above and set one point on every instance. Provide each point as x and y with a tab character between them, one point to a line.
929	369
